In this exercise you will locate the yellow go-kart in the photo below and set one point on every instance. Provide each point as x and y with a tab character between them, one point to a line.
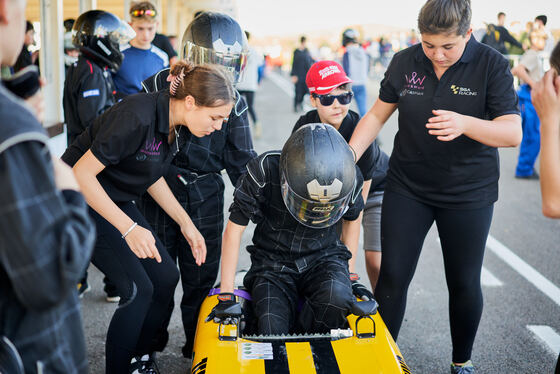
365	347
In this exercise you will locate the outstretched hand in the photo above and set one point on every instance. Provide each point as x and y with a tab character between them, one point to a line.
446	125
196	242
141	241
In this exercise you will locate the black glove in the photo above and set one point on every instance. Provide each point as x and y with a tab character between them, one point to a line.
227	311
358	289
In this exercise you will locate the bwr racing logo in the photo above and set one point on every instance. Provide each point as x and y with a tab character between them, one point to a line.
462	91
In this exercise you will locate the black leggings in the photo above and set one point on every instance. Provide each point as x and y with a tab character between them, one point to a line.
250	98
463	233
145	286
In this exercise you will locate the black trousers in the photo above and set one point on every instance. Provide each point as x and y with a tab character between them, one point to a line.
250	98
324	288
145	286
204	202
463	233
300	91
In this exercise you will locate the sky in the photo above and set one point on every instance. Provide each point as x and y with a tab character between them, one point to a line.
281	17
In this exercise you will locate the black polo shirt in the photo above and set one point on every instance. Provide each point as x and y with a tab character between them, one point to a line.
131	140
374	162
461	173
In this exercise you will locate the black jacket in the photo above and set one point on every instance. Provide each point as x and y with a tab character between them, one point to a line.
46	242
88	92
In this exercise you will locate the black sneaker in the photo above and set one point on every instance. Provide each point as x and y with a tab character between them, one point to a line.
83	288
143	365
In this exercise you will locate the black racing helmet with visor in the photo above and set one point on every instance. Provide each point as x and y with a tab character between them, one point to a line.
98	34
216	38
317	175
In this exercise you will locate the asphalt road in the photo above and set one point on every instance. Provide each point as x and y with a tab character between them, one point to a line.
521	318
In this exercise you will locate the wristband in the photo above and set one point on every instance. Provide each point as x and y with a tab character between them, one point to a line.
129	230
354	277
226	296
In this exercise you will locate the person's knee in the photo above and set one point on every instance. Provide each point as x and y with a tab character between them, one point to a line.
273	324
335	293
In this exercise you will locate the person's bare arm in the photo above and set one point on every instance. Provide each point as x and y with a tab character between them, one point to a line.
139	239
546	99
369	126
520	71
350	235
162	194
502	131
230	255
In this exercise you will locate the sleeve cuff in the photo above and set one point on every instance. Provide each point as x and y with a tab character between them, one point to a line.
239	218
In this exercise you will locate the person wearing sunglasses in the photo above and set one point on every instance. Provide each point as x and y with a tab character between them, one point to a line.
123	155
456	106
331	95
142	58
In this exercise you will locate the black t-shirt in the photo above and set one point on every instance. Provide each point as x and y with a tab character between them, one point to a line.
374	162
131	140
461	173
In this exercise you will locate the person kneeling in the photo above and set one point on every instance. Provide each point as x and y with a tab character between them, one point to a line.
296	198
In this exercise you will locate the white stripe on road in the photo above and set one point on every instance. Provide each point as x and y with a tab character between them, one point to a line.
523	268
548	336
488	279
281	82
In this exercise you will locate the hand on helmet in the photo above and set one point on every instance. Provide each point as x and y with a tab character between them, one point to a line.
227	311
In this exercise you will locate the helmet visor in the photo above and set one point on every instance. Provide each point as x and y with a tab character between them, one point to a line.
232	62
122	34
311	213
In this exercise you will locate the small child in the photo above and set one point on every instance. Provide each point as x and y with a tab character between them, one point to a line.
331	94
295	198
142	59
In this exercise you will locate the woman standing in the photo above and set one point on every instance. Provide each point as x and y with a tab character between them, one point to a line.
124	154
456	106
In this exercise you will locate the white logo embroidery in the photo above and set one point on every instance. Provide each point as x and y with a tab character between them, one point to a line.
324	194
89	93
329	70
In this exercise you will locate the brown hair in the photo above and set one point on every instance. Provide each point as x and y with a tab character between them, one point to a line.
143	5
445	17
555	58
209	85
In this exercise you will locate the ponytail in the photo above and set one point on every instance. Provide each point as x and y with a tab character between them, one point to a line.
209	85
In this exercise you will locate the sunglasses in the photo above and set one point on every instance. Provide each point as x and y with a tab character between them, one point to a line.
143	12
327	100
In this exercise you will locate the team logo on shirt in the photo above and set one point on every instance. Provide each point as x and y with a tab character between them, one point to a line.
151	148
414	84
464	91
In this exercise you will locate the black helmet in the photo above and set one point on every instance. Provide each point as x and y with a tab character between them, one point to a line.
317	175
98	34
216	38
349	36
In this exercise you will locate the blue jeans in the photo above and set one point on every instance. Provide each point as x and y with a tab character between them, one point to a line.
360	94
531	142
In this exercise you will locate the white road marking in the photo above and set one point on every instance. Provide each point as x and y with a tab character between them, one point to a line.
548	336
524	269
288	88
282	83
488	279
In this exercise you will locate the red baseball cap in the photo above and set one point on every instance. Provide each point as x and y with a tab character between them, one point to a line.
325	76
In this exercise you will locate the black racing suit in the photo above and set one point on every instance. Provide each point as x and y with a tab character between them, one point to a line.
289	260
88	92
196	181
